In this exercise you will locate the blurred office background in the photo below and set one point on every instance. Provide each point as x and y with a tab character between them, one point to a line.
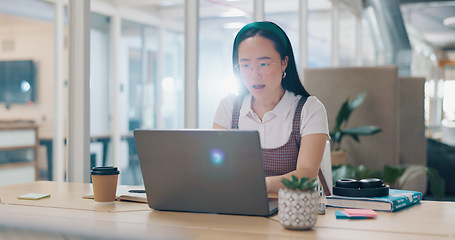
146	86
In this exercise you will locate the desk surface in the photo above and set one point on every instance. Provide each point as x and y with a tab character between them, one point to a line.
428	220
65	195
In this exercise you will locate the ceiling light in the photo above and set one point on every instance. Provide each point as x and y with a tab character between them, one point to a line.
233	25
450	21
168	3
233	13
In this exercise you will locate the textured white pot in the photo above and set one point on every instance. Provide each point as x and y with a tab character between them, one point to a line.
298	209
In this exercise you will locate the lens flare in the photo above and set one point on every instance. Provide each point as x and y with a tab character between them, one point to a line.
217	157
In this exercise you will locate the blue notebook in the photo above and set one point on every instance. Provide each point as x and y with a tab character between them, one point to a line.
396	200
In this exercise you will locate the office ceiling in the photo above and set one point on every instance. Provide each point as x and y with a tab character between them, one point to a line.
427	18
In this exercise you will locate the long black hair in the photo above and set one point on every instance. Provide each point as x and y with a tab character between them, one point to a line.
283	46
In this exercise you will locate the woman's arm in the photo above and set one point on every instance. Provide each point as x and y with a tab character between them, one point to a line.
308	162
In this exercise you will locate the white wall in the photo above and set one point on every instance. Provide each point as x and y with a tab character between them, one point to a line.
32	42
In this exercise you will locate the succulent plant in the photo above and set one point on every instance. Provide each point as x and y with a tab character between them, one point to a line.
299	184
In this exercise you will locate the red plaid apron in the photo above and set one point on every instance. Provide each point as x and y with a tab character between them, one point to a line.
281	160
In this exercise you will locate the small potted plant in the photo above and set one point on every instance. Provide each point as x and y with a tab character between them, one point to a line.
298	203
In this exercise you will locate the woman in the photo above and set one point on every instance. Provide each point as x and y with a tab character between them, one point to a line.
292	124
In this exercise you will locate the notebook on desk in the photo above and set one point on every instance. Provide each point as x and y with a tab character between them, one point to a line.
209	171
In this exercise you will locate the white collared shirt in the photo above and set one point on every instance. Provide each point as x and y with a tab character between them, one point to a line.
276	125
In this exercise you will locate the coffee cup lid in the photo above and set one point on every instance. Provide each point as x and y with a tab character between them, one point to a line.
105	171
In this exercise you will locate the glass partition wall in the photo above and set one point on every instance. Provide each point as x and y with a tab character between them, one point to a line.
137	104
347	43
150	80
286	15
172	82
219	22
151	76
319	34
100	90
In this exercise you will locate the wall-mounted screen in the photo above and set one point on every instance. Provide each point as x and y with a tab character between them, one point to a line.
18	82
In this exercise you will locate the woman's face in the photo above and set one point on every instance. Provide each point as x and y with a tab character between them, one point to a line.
261	67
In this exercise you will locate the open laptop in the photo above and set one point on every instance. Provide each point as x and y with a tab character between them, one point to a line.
209	171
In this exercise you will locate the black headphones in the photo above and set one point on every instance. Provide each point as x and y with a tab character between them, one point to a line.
370	187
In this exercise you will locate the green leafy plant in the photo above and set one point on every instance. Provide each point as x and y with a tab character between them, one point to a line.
437	183
392	175
299	184
342	118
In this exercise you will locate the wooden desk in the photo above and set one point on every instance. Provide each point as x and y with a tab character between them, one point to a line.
65	195
429	220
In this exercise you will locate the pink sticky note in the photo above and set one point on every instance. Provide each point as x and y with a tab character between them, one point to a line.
360	212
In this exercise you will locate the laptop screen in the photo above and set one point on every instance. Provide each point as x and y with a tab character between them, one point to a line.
215	171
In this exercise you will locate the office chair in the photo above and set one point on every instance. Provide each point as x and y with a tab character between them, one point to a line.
325	172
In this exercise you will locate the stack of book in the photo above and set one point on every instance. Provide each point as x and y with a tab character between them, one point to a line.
396	200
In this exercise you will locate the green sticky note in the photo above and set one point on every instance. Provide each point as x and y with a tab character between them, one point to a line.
34	196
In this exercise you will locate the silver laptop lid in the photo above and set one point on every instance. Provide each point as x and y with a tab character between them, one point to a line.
213	171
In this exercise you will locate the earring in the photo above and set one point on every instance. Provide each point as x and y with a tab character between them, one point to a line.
284	75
